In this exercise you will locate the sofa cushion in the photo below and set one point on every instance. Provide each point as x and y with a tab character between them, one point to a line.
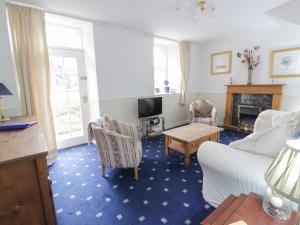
202	107
268	142
264	120
261	124
289	121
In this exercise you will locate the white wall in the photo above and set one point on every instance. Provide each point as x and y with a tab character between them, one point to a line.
124	60
10	103
212	87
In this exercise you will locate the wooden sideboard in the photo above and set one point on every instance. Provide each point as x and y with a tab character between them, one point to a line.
270	89
26	196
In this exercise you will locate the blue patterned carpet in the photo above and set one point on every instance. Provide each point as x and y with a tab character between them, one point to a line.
166	193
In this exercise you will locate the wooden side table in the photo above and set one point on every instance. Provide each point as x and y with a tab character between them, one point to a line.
247	208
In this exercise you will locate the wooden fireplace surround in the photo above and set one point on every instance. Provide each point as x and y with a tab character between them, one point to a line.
269	89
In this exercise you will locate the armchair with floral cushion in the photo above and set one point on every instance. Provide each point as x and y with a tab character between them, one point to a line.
203	111
119	144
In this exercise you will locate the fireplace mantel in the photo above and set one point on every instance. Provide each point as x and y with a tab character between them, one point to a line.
270	89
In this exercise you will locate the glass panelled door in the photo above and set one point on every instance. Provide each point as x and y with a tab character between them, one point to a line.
68	96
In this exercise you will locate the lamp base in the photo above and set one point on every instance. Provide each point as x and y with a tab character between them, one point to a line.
4	119
276	206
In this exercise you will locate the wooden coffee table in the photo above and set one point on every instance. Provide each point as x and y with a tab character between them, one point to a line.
246	208
187	139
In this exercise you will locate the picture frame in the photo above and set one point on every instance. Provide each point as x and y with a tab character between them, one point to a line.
285	63
221	63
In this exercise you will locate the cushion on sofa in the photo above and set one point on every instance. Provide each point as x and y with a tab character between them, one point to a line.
264	120
268	142
202	107
262	124
289	121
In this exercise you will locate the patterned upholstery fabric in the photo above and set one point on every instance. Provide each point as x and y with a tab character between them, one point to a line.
120	148
127	129
195	118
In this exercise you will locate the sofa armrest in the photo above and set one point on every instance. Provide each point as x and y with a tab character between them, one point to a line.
214	115
229	171
228	160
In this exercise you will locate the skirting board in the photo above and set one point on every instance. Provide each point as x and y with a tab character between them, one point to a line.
173	125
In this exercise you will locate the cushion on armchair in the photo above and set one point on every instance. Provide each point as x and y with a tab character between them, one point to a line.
202	108
108	124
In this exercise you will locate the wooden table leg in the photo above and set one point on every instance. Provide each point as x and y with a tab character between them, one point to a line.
167	146
187	159
187	155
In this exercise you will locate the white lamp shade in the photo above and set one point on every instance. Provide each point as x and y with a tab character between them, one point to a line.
284	173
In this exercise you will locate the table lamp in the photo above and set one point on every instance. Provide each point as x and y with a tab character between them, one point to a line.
3	91
283	176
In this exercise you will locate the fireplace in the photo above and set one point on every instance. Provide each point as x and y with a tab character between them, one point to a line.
247	115
246	107
245	102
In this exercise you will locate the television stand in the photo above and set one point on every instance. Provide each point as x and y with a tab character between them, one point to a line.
152	126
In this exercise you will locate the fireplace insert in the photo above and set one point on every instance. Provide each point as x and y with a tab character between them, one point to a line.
247	115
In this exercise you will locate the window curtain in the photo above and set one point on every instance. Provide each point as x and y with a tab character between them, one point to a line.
30	50
184	52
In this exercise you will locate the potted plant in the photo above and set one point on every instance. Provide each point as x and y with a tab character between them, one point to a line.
250	57
167	88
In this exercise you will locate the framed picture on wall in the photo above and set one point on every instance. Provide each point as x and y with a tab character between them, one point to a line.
221	63
285	63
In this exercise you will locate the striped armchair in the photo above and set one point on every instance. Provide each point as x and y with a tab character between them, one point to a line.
119	146
211	120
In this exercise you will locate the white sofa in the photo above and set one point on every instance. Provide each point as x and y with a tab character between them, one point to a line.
227	170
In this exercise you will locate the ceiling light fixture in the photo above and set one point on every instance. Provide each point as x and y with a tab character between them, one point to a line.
201	8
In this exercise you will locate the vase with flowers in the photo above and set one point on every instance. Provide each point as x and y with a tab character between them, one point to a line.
167	88
252	59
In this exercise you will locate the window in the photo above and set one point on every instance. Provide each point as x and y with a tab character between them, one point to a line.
69	37
166	66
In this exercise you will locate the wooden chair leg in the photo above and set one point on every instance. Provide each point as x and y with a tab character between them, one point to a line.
136	173
103	171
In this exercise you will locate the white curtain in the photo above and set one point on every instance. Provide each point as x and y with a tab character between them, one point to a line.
184	50
30	50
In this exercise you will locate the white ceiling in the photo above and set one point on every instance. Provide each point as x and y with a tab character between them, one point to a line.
288	12
161	18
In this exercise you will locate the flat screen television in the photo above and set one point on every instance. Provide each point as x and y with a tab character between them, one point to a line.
149	106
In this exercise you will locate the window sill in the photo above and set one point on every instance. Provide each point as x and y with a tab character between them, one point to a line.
166	94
